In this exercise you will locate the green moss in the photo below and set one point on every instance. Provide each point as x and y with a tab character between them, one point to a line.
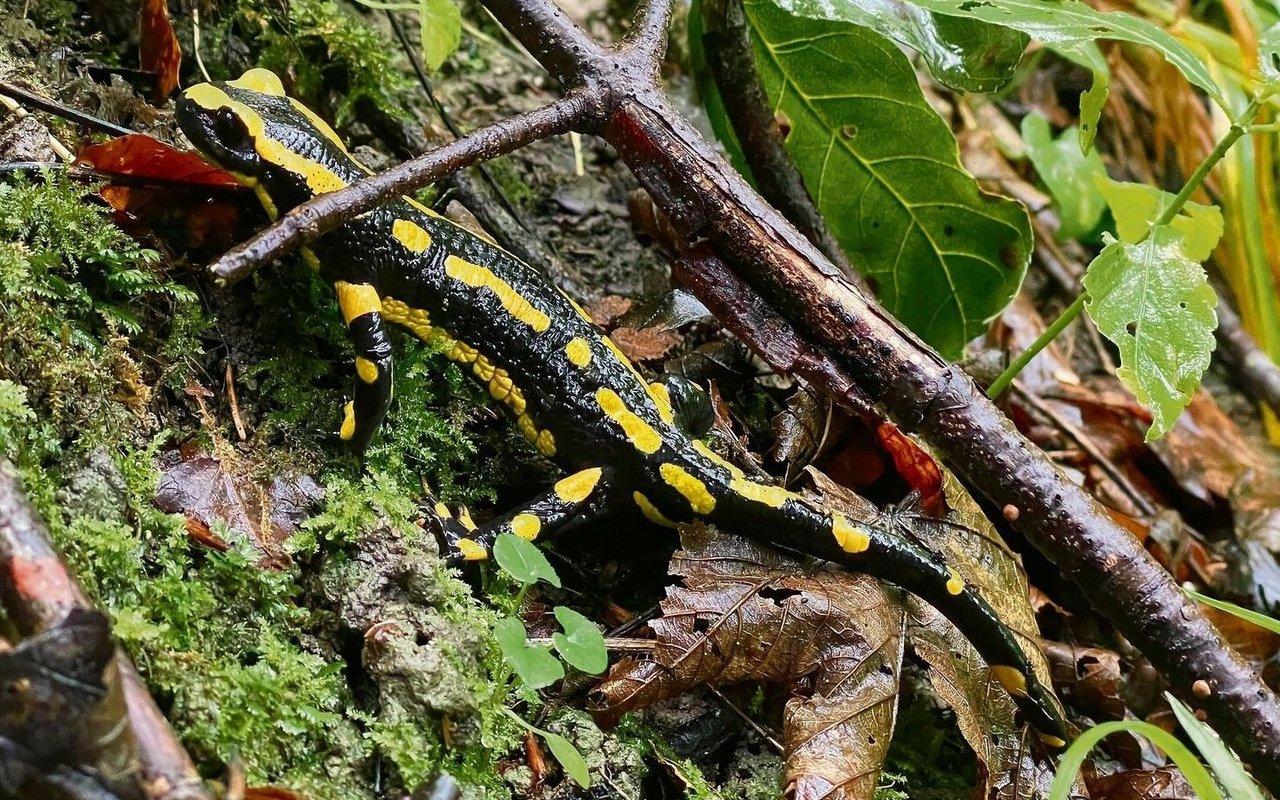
323	47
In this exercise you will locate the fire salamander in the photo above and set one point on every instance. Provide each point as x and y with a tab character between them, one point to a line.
572	394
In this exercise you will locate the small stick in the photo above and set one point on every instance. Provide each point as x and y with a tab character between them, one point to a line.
309	220
62	110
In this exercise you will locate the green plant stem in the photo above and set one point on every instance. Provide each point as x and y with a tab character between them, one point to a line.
1238	129
1068	315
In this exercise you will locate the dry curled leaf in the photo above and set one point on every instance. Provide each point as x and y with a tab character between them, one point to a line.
744	613
984	712
1161	783
208	491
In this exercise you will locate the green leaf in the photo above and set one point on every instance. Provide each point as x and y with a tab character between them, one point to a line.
1136	206
1069	174
441	31
884	170
533	663
1269	58
965	54
1226	766
575	766
581	644
1069	27
1261	620
1069	765
520	559
441	26
1156	304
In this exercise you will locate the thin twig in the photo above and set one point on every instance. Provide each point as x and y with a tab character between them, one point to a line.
62	110
308	221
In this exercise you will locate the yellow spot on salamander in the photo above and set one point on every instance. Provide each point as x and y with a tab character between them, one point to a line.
366	369
578	486
415	319
462	353
527	428
1053	741
348	428
767	493
545	444
464	516
955	585
442	511
640	433
483	278
651	511
578	351
483	369
1012	679
662	399
472	550
690	487
526	526
413	236
356	300
260	80
850	537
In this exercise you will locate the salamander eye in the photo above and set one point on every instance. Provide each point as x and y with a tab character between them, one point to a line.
231	131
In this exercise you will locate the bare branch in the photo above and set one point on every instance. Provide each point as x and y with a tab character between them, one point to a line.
308	221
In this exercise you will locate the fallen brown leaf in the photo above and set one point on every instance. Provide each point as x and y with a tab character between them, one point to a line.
744	613
158	48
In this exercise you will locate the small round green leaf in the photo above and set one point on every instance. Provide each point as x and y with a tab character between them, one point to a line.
575	766
535	665
523	561
581	644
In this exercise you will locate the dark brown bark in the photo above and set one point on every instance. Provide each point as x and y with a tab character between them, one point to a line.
38	593
726	43
1258	374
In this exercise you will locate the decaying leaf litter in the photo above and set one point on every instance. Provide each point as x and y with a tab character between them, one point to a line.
356	598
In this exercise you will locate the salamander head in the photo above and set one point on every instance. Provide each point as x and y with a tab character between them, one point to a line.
269	141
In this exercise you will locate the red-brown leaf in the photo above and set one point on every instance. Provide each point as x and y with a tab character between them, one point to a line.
140	156
158	48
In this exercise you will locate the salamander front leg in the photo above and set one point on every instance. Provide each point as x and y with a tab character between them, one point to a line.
362	311
579	497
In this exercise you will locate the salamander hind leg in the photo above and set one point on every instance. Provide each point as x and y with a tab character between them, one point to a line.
362	311
581	496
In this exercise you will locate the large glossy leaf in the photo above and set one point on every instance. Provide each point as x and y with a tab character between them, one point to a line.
965	54
884	170
1156	304
1070	27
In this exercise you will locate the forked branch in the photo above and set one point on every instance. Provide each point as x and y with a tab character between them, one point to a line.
614	91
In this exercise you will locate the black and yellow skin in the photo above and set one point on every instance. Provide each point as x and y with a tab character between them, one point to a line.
572	393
